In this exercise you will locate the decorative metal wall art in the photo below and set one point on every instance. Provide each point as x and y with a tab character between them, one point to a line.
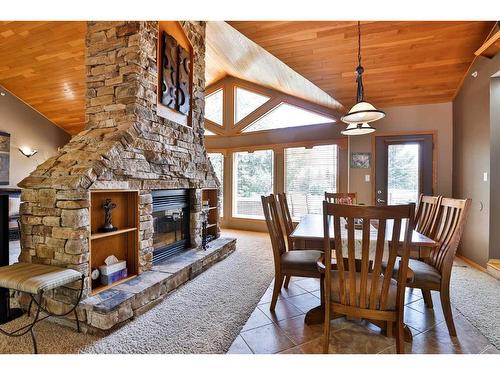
176	72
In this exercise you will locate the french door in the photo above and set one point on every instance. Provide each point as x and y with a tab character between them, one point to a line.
403	168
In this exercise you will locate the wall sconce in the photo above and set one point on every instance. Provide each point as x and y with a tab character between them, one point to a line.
27	151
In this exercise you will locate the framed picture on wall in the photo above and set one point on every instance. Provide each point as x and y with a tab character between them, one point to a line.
4	158
360	160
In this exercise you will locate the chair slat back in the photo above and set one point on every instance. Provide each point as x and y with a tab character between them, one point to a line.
427	214
341	198
274	227
450	226
373	285
286	218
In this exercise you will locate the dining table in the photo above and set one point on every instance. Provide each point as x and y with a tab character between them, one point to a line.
309	234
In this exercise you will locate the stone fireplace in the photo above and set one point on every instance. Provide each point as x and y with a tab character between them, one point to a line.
126	146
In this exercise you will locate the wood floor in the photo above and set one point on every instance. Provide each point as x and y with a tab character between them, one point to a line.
285	331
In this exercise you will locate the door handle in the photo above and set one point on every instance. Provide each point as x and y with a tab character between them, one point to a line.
380	200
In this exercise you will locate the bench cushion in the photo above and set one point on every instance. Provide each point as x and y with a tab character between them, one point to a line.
35	278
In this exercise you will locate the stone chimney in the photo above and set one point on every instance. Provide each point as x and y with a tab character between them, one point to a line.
125	145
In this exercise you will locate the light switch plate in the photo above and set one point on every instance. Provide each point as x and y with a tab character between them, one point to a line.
367	178
485	176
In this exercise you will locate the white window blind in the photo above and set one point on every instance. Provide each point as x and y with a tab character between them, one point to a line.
308	174
252	177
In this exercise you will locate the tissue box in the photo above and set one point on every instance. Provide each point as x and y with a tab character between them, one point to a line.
113	277
112	268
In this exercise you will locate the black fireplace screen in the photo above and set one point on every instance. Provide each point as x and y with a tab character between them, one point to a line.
170	223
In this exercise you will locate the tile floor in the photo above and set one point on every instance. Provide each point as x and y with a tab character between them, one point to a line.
285	331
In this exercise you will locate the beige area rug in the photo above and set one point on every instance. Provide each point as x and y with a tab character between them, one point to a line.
203	316
477	296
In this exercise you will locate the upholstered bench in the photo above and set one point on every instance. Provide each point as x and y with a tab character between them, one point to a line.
35	280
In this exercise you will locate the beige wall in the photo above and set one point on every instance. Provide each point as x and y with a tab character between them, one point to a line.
411	119
27	128
471	122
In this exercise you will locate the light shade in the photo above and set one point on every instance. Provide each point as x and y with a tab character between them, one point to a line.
363	112
358	129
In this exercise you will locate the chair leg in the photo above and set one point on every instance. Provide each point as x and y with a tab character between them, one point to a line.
326	329
400	337
448	315
287	281
33	339
278	282
427	298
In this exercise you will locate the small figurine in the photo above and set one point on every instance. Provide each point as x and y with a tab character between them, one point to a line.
108	226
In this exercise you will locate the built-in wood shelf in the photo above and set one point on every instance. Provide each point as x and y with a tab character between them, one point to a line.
122	243
95	236
102	288
211	195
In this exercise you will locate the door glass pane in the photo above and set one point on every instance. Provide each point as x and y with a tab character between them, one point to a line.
403	171
253	177
308	174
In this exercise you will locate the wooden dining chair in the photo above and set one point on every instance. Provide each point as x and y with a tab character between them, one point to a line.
341	198
427	214
366	293
434	272
286	263
286	217
425	220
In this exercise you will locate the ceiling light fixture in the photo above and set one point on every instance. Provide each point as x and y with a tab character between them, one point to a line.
358	129
27	151
362	112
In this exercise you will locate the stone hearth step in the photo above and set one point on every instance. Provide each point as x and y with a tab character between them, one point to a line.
133	297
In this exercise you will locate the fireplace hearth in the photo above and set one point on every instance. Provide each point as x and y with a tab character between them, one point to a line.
170	223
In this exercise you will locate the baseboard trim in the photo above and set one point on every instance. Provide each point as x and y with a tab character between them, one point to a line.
472	263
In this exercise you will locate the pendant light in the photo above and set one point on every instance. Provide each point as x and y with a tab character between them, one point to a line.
362	113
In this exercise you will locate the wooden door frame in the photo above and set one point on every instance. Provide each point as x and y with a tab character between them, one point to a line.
433	133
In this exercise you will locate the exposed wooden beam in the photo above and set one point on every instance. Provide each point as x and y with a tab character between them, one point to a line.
491	47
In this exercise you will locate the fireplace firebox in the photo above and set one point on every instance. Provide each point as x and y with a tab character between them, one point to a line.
170	222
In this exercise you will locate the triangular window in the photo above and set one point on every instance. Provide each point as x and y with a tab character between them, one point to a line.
214	106
287	116
246	102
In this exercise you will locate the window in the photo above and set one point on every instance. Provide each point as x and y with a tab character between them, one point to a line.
208	132
403	182
217	160
246	102
213	106
252	177
286	116
308	174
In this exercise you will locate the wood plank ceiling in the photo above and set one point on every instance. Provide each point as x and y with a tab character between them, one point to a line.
43	63
405	62
231	53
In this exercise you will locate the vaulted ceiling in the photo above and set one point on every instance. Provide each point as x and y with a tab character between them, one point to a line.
405	63
43	63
